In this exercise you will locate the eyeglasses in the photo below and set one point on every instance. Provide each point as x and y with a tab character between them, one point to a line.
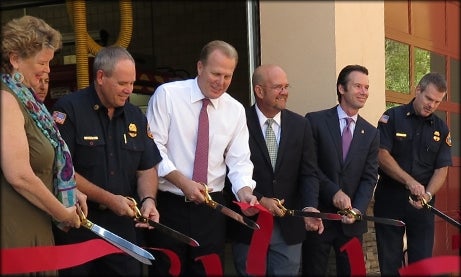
280	88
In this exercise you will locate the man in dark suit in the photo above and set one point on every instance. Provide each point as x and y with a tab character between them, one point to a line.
290	176
346	182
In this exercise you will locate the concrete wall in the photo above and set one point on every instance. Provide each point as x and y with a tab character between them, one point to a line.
314	40
300	37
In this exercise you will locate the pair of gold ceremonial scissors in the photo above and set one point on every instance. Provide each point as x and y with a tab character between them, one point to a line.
435	211
338	216
162	228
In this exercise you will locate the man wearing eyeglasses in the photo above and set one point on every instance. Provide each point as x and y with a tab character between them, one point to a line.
285	175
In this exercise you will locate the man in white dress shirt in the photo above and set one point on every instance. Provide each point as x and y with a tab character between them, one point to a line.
173	114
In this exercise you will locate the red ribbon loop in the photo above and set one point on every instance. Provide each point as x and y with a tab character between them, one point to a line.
257	253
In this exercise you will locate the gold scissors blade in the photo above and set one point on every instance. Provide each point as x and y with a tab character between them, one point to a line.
228	212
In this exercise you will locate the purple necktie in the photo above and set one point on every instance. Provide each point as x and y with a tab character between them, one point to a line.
347	137
201	151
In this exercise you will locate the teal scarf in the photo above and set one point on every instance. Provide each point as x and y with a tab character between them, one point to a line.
64	175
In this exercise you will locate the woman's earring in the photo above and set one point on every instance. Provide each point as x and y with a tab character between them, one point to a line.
18	77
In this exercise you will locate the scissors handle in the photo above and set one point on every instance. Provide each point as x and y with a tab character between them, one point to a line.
80	213
137	213
350	213
281	207
416	198
206	193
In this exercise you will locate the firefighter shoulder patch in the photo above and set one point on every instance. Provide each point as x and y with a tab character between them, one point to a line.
149	133
59	117
448	139
384	118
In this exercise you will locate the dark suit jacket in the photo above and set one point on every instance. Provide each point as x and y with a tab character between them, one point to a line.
356	176
294	176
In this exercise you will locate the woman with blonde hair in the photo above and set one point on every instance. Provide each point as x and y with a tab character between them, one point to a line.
37	179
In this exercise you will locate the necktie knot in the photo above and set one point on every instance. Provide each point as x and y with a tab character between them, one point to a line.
269	122
348	121
205	102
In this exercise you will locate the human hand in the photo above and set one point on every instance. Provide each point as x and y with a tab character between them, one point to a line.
313	223
194	191
272	205
72	219
416	202
342	201
147	212
416	188
245	194
122	206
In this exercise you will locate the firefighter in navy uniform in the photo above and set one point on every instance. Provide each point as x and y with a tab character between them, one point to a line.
414	155
114	156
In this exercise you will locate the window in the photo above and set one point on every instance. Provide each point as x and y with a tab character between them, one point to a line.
423	36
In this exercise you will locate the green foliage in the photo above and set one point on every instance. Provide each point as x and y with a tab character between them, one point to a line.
391	105
397	66
422	63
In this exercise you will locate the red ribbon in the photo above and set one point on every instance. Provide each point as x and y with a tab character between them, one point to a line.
354	252
257	253
212	264
175	263
47	258
439	265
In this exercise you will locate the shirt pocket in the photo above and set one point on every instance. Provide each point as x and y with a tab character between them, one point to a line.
132	152
428	153
89	151
403	142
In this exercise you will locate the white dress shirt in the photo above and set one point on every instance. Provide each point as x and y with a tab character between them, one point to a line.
173	113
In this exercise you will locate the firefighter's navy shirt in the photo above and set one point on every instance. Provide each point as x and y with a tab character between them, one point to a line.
419	145
107	152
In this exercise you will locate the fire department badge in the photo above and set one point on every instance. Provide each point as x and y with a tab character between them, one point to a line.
132	130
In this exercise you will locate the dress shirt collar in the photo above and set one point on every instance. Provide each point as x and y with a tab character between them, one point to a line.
197	95
262	118
342	114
